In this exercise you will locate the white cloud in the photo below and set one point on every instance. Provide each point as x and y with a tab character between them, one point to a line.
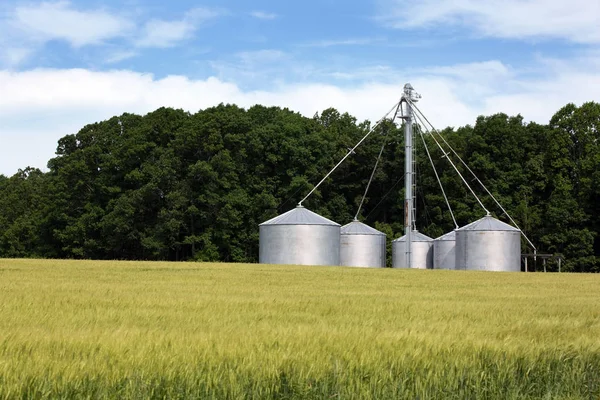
60	21
485	69
576	20
13	56
25	29
261	56
344	42
263	15
161	33
257	67
40	106
118	56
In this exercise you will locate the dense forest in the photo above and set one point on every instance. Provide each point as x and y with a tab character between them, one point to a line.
173	185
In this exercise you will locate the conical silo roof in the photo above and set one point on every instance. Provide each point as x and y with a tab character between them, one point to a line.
448	237
416	237
299	216
488	223
358	228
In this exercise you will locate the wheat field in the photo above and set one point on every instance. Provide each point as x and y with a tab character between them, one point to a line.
138	330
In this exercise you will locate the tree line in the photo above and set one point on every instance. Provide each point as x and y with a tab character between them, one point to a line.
172	185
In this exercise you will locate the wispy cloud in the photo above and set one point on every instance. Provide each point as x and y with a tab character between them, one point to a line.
254	67
14	56
162	33
60	21
345	42
26	28
118	56
263	15
575	20
377	72
261	56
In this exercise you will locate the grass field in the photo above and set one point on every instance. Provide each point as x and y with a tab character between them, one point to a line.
86	329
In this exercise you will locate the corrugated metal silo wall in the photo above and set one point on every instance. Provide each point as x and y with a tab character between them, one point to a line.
363	251
299	244
444	256
421	257
488	250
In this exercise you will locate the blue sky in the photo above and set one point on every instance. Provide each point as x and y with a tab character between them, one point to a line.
67	63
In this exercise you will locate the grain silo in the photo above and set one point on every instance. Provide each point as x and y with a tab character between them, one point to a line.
421	249
301	237
488	245
444	256
362	246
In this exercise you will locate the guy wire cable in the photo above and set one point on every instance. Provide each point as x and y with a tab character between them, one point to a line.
453	166
437	177
350	152
370	180
475	176
376	164
385	195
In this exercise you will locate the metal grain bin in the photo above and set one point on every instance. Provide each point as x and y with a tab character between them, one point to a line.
300	237
488	245
362	246
422	252
444	256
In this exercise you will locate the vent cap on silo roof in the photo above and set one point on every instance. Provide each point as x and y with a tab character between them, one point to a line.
358	228
488	223
299	216
448	237
415	237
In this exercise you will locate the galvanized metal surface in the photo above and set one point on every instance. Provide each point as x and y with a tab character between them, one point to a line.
362	246
489	223
299	216
444	255
422	252
409	176
300	237
488	245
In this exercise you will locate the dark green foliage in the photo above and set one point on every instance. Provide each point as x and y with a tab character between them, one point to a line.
178	186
